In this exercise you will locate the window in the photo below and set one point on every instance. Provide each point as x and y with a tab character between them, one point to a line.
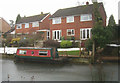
19	26
56	20
85	33
35	24
44	53
70	32
86	17
48	35
70	19
34	32
32	52
26	25
22	52
56	34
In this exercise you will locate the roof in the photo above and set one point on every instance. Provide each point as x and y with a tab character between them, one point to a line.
35	18
85	9
11	30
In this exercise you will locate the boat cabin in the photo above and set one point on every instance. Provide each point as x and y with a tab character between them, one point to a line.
37	53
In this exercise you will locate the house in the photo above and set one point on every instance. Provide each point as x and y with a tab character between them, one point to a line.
10	33
4	26
33	25
75	22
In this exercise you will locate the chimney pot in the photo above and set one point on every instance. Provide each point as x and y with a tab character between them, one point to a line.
87	3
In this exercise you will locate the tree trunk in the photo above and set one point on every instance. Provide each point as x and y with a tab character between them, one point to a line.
93	49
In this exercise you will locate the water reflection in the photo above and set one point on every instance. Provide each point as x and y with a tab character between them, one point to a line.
32	71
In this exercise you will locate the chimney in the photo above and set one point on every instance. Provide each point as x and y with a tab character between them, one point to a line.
87	3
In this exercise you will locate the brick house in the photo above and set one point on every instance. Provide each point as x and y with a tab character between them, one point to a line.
75	22
4	26
33	25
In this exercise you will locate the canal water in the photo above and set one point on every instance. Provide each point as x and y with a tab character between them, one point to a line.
33	71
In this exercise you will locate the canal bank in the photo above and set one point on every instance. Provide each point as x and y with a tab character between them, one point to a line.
74	59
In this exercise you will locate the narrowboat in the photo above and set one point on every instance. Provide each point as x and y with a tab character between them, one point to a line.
37	54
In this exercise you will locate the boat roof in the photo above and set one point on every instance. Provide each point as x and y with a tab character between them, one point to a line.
34	48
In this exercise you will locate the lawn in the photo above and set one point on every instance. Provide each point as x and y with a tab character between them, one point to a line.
69	52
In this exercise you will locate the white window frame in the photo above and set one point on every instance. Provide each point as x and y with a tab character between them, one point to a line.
26	25
81	33
34	33
48	36
71	32
56	20
53	34
88	16
70	19
35	24
22	52
19	25
45	53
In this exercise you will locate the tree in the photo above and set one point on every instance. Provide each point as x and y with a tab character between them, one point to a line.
111	21
112	26
18	18
101	35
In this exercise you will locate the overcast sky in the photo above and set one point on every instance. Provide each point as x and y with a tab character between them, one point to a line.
9	9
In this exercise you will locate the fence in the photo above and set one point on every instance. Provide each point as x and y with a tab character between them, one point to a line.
12	50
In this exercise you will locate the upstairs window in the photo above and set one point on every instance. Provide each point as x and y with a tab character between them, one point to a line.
22	52
26	25
19	26
70	32
86	17
35	24
70	19
56	20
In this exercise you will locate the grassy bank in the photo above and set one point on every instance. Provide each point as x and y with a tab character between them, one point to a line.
7	56
69	52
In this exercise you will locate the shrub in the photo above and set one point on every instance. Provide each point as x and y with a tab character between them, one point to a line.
76	44
62	38
66	44
70	38
51	43
88	44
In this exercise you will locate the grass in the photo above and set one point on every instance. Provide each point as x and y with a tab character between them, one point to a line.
69	52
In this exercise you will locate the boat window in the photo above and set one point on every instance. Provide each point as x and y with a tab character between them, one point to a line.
32	52
43	53
22	52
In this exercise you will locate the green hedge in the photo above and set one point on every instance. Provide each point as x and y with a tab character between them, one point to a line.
66	44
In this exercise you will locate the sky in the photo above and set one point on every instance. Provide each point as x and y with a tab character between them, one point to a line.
9	9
